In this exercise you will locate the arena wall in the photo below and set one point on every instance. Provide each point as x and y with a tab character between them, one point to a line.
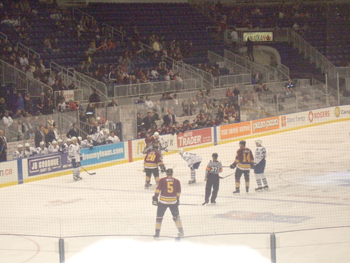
39	168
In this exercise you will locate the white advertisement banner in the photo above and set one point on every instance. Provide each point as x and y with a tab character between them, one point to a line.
8	172
68	95
258	36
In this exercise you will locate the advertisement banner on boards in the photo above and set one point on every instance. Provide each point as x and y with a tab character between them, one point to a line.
194	137
8	172
103	153
139	145
235	130
258	36
43	164
265	125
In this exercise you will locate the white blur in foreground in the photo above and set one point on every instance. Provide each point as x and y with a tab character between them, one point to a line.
168	251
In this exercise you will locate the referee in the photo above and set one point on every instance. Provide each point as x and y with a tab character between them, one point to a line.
212	171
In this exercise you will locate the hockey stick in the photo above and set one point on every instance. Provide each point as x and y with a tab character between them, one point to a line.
226	176
190	204
87	171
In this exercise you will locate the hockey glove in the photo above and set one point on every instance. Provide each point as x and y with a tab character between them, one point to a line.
81	157
154	201
162	168
178	202
233	166
91	147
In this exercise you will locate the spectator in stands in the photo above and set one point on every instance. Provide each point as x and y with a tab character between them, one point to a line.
178	82
20	102
113	103
259	89
39	136
51	135
3	107
3	147
290	84
74	132
40	103
234	38
149	104
250	49
48	106
169	118
148	121
29	130
94	97
258	77
72	86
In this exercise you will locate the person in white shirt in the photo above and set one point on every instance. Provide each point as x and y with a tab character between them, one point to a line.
88	143
259	166
18	154
149	103
154	73
234	38
67	144
29	151
54	148
7	120
42	150
23	60
112	138
193	161
100	137
74	155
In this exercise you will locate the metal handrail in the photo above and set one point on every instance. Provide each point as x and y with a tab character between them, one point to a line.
94	85
85	14
27	50
3	36
119	33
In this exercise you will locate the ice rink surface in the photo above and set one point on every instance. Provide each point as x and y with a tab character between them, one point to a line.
307	171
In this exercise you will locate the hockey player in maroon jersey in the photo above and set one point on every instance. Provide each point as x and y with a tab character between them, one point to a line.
244	161
168	191
148	139
152	161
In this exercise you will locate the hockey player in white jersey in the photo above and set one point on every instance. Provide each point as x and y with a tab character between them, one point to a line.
61	146
80	140
163	145
42	150
18	154
74	156
112	138
100	137
29	151
193	161
88	143
259	166
67	144
53	148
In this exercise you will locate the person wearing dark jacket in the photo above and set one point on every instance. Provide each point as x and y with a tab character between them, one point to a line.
39	136
73	132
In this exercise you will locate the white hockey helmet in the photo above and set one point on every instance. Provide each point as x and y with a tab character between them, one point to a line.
106	131
181	151
74	139
42	143
156	135
26	145
89	136
20	146
54	142
59	141
258	142
69	140
79	138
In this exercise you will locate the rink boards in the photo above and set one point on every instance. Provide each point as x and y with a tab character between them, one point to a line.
39	168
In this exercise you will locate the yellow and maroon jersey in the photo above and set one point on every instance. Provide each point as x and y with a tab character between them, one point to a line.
168	190
149	140
244	158
152	160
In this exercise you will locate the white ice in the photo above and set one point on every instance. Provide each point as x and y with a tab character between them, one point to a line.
307	171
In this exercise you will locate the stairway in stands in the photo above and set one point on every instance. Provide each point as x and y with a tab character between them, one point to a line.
299	67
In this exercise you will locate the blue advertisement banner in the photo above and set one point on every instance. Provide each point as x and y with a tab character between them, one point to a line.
103	153
48	163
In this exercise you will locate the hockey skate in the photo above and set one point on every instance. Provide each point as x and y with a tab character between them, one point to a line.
237	192
258	189
75	178
156	236
180	234
213	202
205	203
147	186
266	187
193	181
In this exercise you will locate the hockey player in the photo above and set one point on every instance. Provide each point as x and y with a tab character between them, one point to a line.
148	139
18	154
152	161
244	161
42	150
162	144
67	144
74	155
61	146
53	148
259	166
80	140
212	171
168	191
112	138
88	143
193	160
29	151
99	138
